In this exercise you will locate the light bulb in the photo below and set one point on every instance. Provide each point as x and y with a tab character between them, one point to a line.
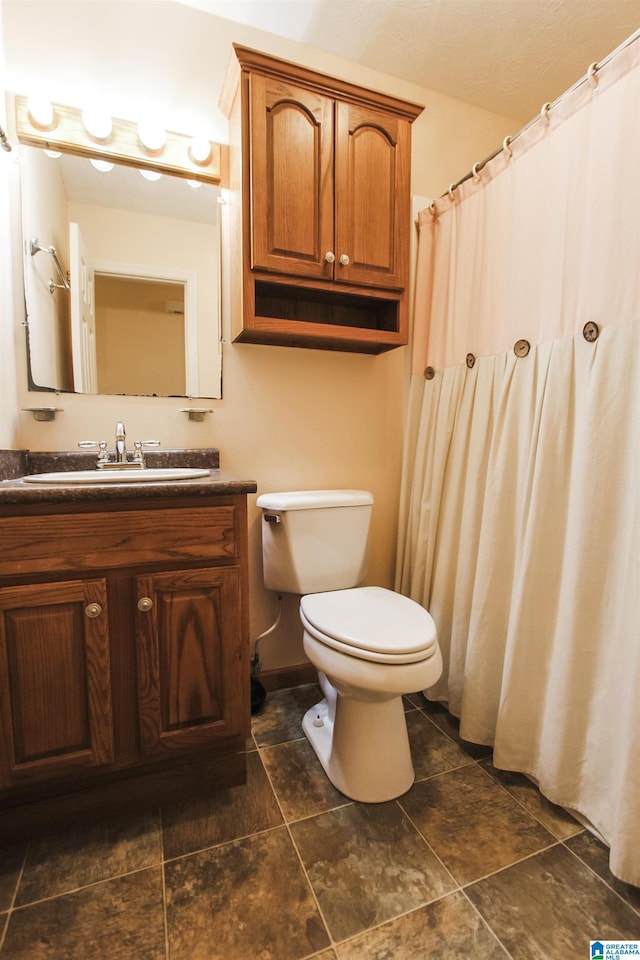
102	165
200	150
150	174
41	112
97	122
195	184
152	136
54	154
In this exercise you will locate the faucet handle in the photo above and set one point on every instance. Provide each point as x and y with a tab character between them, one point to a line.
99	445
138	455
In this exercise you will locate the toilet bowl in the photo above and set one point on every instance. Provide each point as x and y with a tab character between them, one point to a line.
370	646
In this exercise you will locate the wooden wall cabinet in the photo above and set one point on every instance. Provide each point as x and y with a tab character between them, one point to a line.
124	657
320	182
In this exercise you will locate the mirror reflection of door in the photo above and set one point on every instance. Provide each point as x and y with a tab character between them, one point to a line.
83	318
140	335
160	230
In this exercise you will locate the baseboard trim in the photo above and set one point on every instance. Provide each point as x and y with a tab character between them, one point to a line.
293	676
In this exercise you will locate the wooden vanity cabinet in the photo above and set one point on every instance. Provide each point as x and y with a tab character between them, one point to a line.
124	660
186	622
55	680
320	174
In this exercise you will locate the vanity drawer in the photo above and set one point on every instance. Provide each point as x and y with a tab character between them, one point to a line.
124	538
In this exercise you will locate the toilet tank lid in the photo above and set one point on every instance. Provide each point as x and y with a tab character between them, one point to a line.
314	499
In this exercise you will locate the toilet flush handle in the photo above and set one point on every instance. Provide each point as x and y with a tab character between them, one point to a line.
272	518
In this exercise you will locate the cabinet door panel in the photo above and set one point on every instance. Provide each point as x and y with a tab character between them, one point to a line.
54	680
189	658
291	179
372	191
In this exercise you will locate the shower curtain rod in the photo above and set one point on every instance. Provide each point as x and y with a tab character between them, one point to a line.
590	75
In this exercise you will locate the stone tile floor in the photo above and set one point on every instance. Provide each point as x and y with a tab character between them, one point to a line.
471	863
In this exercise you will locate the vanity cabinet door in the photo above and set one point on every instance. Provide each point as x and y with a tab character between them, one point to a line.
55	680
189	650
291	178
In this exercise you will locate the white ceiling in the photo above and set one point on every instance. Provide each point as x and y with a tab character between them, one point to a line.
507	56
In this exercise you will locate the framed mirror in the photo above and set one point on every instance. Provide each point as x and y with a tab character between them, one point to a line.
122	278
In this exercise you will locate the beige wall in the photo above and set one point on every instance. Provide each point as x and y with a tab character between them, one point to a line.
10	265
289	418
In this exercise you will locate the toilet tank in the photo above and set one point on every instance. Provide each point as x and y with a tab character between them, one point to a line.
315	540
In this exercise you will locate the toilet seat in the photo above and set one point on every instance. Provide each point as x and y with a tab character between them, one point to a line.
370	623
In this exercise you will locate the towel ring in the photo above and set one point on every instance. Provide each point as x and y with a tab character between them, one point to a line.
5	143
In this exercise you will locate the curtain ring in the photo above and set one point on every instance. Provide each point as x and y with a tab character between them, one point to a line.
470	360
521	348
474	171
506	146
433	210
544	113
450	192
592	75
429	373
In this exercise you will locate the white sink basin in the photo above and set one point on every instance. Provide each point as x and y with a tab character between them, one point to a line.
159	475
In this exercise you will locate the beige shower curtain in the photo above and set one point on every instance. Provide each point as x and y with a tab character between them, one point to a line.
520	515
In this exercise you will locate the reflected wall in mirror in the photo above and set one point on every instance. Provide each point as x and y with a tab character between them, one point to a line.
142	315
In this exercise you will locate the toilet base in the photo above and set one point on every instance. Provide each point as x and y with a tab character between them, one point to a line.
365	750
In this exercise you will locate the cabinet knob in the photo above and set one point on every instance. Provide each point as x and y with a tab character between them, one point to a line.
93	610
145	603
344	260
330	257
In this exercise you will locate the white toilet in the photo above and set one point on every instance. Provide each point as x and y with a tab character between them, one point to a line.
369	645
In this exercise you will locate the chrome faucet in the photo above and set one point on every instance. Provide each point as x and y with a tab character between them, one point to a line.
121	459
121	446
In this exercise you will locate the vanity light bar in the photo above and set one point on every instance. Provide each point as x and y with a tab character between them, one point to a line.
67	133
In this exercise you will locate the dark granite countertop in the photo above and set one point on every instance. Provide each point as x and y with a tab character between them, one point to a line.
14	490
